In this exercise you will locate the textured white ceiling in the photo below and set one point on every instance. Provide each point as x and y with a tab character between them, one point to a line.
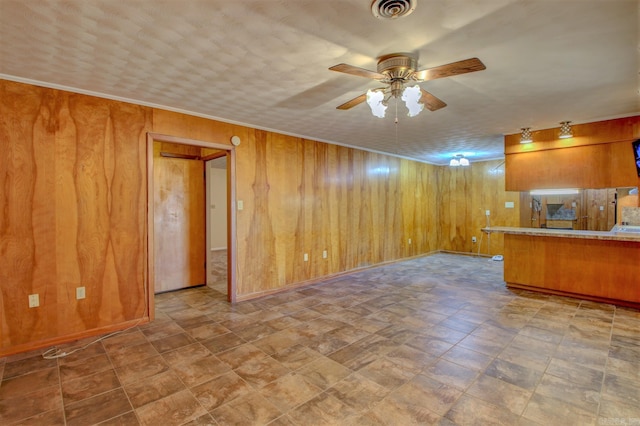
264	63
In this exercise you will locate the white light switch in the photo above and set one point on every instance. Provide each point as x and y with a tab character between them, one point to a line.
601	208
80	293
306	257
240	205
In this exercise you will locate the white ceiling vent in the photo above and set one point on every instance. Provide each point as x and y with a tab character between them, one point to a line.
392	9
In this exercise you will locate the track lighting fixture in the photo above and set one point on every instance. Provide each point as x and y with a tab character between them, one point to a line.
565	130
525	137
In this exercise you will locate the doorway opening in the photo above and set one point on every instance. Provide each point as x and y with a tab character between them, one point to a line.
163	232
216	221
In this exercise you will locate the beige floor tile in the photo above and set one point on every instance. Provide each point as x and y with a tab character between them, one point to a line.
220	390
24	406
201	370
469	410
259	372
290	391
153	388
175	409
451	373
97	408
547	411
250	409
358	392
433	340
89	386
500	393
324	372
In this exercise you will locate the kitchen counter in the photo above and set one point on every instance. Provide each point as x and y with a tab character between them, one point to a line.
566	233
591	265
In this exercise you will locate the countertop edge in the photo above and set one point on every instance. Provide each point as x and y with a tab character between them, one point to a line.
565	233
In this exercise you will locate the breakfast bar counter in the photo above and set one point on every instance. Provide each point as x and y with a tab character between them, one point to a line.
592	265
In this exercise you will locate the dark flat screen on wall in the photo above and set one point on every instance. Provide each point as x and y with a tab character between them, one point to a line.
636	154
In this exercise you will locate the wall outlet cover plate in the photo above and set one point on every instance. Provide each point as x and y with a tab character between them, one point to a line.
497	258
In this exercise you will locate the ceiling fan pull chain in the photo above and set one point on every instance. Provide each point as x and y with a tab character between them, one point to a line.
396	112
396	122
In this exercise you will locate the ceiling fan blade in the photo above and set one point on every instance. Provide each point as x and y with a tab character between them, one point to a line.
431	102
353	102
360	72
448	70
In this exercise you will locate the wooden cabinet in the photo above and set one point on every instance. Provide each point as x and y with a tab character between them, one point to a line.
598	156
586	268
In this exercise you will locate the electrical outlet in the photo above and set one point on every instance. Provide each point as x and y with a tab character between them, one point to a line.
34	300
306	257
409	241
240	205
80	293
487	212
324	254
474	240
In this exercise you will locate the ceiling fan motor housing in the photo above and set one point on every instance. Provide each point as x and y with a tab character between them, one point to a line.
397	67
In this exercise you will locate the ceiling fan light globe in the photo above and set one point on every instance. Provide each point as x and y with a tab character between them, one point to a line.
375	99
464	161
454	162
411	97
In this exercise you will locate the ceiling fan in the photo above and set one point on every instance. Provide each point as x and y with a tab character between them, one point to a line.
397	70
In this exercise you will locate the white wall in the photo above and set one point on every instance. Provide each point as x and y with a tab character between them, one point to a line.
217	203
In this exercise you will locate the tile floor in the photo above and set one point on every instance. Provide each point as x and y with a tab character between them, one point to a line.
435	340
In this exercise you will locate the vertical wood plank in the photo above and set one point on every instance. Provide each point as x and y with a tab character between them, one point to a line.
72	213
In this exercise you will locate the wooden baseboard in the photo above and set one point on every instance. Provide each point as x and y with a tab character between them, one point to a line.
46	343
616	302
251	296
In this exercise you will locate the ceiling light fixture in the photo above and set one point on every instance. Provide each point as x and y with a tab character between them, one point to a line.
377	102
565	130
459	160
525	137
411	95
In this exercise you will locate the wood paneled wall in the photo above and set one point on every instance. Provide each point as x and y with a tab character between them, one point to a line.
72	213
599	155
464	196
302	196
73	179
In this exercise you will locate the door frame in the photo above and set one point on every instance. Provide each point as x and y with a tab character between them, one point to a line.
231	218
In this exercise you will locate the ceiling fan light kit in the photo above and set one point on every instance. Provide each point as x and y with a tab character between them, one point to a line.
377	103
411	97
397	70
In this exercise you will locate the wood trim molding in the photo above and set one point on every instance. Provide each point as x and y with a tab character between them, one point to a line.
40	344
